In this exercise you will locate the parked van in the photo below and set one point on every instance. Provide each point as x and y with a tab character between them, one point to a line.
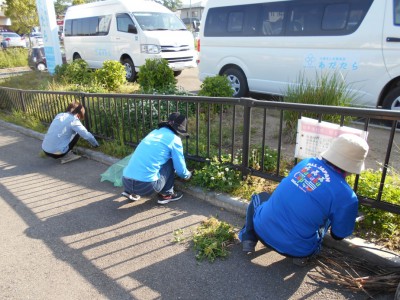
264	46
129	32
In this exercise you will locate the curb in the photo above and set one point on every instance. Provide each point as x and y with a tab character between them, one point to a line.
351	245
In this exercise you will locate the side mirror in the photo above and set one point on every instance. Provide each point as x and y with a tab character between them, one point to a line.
132	29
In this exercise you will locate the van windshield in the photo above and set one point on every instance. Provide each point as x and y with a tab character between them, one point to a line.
158	21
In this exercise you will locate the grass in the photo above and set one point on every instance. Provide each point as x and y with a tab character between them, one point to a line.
13	57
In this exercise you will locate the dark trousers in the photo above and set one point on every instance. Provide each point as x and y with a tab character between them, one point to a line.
70	146
248	232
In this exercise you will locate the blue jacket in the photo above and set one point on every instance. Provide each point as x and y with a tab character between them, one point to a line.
313	195
62	130
155	150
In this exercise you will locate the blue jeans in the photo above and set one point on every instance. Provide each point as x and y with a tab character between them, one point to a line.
164	185
247	233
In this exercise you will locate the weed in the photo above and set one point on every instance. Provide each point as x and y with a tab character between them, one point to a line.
24	120
212	239
325	90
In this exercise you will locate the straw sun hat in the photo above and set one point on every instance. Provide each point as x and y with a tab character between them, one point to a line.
347	152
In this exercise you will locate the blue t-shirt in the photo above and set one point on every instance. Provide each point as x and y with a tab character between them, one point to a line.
153	151
311	196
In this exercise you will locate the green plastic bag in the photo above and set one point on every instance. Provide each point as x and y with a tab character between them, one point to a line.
114	172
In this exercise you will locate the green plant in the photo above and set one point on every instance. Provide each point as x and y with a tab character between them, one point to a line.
212	238
112	75
25	120
77	72
156	76
115	148
217	175
216	86
13	57
324	90
379	224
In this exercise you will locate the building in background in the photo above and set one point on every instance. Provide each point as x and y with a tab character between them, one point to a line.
192	12
5	22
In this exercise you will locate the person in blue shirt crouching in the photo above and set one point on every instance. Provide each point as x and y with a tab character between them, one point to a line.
155	161
311	199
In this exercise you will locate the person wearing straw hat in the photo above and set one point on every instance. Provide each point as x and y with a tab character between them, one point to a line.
155	161
311	199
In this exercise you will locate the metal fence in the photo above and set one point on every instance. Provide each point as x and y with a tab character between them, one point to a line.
252	136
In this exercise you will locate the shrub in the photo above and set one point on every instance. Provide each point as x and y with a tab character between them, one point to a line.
60	72
156	76
77	72
216	86
325	90
111	76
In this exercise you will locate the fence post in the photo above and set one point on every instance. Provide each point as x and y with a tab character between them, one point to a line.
21	99
246	137
83	102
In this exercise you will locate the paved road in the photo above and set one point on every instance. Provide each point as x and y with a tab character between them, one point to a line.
66	235
189	80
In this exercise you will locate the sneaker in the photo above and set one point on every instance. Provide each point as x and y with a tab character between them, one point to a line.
164	199
249	246
70	156
131	197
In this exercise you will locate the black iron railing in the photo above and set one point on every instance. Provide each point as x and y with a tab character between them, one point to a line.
252	134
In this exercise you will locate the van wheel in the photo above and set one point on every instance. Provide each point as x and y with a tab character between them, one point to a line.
76	57
392	100
238	82
130	69
41	67
177	73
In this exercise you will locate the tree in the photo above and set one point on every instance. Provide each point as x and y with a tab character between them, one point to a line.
173	5
60	6
76	2
23	15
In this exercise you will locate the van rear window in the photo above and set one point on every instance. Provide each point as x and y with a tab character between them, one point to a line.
288	18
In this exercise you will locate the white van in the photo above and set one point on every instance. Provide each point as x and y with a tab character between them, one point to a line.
263	46
129	32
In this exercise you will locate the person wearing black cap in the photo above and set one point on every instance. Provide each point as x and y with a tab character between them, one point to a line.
64	133
155	161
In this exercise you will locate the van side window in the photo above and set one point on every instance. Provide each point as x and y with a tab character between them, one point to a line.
335	17
272	18
104	25
289	18
91	26
235	21
123	21
396	13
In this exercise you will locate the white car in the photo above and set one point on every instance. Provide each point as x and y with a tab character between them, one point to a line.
12	39
36	39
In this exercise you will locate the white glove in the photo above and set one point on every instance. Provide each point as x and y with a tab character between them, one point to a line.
188	176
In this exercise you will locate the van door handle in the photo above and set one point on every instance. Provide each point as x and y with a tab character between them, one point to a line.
393	39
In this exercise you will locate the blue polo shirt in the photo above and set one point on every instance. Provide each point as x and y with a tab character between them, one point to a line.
153	151
312	195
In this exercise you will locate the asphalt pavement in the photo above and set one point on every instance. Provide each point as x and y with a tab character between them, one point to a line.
66	235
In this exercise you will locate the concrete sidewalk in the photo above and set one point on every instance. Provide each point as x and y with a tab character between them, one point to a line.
66	235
